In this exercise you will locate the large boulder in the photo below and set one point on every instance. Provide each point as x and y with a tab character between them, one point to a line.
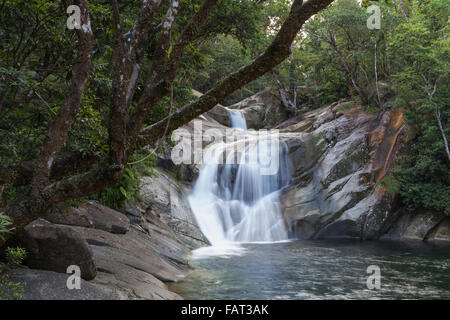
165	202
338	160
441	233
420	225
90	214
262	110
49	285
137	265
221	115
55	248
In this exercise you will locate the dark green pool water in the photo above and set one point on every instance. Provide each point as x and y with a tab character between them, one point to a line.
321	270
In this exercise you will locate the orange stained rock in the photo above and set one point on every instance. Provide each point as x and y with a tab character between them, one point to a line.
365	180
353	111
392	141
386	135
377	136
398	116
381	192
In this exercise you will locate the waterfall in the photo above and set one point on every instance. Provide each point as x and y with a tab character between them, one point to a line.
236	202
237	120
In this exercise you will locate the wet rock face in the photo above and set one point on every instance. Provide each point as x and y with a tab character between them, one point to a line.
221	115
338	157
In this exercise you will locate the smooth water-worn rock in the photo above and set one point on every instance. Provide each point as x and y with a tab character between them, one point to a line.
49	285
56	247
420	225
132	255
340	156
441	232
165	198
90	214
136	265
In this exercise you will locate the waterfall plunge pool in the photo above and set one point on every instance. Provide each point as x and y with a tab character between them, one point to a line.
318	270
236	203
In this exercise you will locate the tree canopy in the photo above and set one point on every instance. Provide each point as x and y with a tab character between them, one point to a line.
78	106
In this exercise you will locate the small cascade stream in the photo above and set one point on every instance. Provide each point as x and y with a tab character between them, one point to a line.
237	120
235	198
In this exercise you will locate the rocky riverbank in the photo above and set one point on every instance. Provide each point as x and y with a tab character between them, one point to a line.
339	156
131	254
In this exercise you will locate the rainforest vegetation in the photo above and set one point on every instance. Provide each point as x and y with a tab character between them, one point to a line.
78	107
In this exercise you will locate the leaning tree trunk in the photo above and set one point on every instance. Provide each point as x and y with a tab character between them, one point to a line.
125	124
402	8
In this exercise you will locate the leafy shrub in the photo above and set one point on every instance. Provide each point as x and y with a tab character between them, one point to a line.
15	256
10	290
424	175
141	164
391	184
5	225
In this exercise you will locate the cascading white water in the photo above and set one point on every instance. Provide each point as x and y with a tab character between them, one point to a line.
236	202
237	120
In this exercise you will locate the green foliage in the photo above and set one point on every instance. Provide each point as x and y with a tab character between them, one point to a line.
332	58
227	55
318	96
341	52
413	65
424	174
10	290
88	133
346	106
15	256
5	225
391	184
247	29
141	164
421	50
37	56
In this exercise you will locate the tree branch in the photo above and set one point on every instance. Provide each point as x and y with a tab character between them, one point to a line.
125	47
274	55
61	125
156	91
66	163
109	172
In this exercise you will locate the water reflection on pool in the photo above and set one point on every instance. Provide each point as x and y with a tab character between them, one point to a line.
319	270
